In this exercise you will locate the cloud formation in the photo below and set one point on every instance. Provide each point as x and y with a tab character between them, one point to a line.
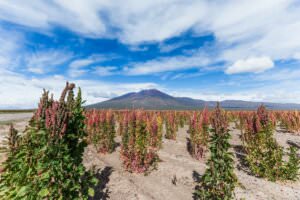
252	40
254	64
42	62
254	28
18	91
167	64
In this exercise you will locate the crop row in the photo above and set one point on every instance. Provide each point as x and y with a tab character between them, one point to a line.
45	162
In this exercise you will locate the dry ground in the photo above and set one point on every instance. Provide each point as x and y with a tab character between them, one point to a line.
177	173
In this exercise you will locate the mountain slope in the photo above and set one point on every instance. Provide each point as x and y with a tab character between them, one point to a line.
154	99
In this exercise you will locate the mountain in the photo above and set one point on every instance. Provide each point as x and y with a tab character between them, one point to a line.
156	100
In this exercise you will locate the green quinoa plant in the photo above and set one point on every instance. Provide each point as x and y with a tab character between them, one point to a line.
219	180
182	118
47	160
263	154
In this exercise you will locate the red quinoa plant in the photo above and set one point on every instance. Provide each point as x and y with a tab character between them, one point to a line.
12	140
101	130
232	116
241	121
171	125
123	122
199	133
140	142
290	121
46	161
9	148
154	127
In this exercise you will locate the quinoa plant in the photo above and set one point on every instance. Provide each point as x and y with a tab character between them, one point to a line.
46	162
154	124
219	180
12	140
290	121
182	118
240	123
101	130
199	134
140	143
264	155
171	125
123	122
9	149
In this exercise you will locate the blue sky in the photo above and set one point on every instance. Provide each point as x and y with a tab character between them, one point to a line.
211	50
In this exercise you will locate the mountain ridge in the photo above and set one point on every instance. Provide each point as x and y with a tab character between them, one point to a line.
153	99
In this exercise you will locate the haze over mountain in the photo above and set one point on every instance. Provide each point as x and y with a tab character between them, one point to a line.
154	99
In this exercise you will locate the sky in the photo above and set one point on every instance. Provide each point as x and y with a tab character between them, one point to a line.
209	49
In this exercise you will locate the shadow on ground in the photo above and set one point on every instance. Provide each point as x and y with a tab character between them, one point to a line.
189	145
241	156
197	179
101	192
294	144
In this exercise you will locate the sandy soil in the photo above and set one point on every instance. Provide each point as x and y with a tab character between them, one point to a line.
4	117
19	121
177	173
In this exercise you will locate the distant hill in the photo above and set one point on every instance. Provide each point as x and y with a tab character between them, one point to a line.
156	100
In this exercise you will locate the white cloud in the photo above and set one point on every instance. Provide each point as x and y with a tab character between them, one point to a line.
45	61
166	64
282	92
11	43
249	34
254	64
165	48
81	63
215	96
249	28
17	91
279	75
186	75
256	28
78	67
78	16
155	20
138	48
15	57
105	71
